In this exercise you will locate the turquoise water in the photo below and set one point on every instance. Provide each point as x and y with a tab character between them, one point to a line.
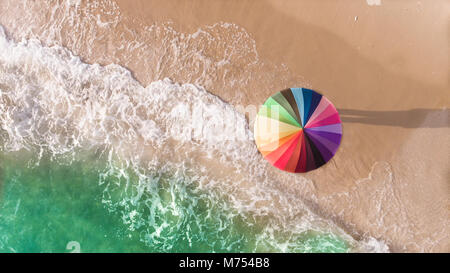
56	207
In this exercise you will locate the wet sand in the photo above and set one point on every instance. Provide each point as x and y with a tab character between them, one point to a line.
385	67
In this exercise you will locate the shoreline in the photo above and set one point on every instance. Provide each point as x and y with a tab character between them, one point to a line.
362	139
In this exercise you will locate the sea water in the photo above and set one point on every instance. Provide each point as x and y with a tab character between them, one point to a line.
52	207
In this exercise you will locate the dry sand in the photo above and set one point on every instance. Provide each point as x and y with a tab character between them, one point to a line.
385	67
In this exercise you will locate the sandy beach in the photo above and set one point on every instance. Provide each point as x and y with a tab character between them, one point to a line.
384	65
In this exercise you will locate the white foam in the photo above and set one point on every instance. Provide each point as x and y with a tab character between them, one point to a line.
374	2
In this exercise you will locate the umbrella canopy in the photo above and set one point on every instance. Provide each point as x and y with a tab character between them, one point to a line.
298	130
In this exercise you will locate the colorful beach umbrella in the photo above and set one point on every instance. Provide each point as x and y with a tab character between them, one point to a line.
298	130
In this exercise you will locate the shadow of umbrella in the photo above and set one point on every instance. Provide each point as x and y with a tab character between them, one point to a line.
414	118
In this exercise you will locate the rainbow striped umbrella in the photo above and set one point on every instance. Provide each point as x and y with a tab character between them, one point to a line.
298	130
